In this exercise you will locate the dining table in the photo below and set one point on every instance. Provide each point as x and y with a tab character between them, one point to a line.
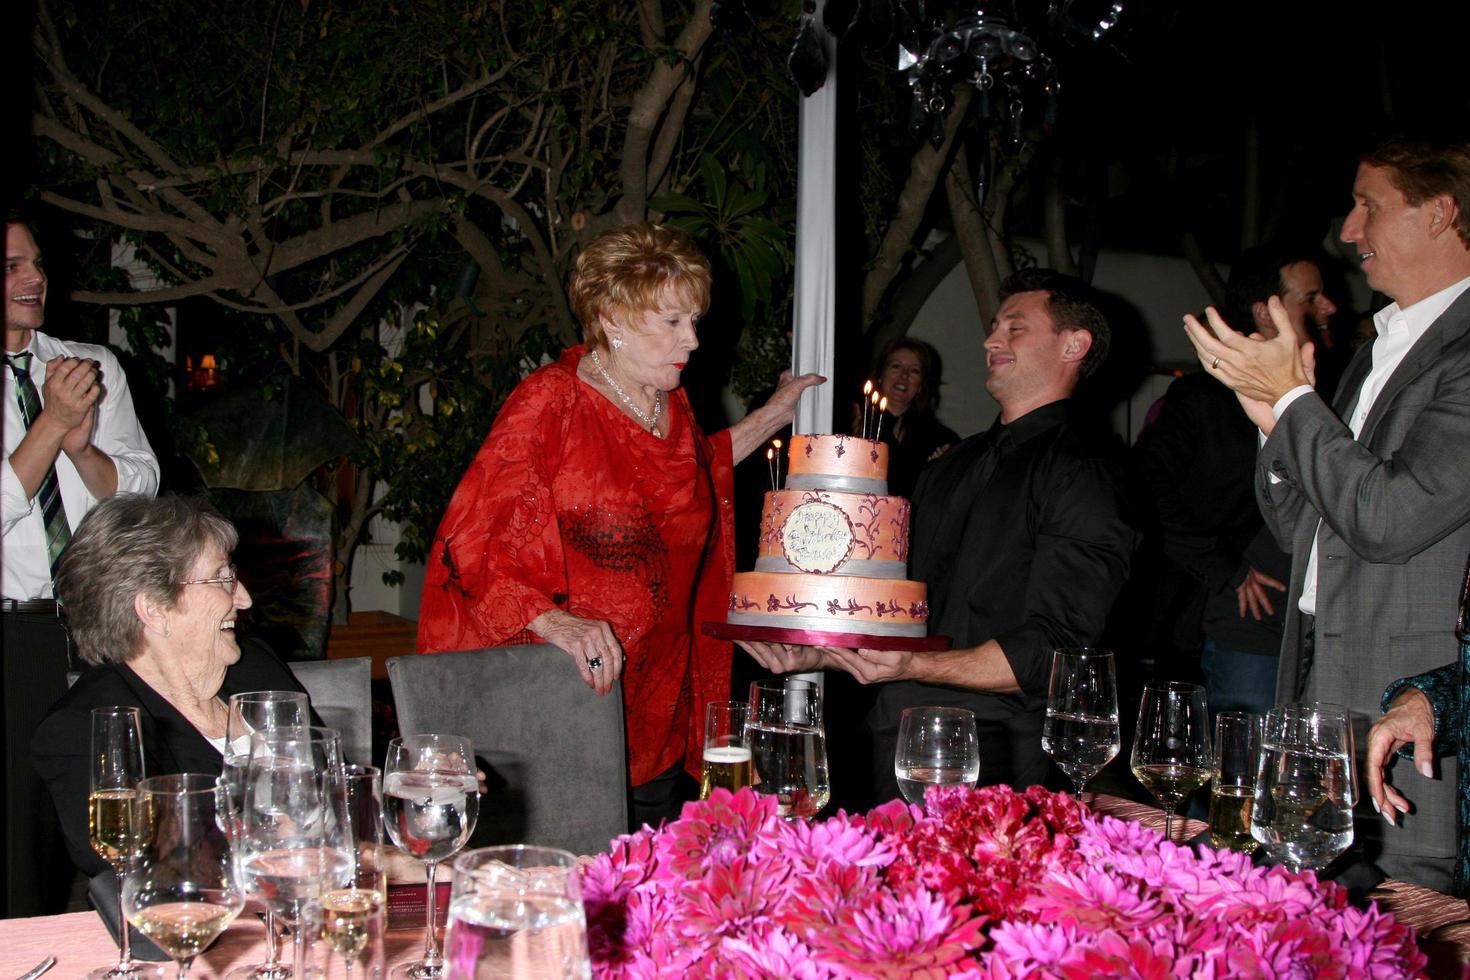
80	941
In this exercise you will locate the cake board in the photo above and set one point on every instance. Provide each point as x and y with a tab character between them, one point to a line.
824	638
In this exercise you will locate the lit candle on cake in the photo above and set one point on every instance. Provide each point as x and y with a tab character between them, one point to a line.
882	407
771	466
776	445
867	392
874	400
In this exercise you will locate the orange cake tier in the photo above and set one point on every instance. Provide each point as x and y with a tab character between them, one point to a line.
838	462
829	532
834	603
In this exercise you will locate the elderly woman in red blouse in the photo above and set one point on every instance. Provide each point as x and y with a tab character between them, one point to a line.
597	515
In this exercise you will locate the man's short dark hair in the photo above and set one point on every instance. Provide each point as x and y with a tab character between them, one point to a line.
1073	305
1425	168
1256	277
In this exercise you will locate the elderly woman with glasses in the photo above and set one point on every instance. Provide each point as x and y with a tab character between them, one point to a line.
152	602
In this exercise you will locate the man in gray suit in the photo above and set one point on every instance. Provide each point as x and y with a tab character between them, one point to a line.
1372	494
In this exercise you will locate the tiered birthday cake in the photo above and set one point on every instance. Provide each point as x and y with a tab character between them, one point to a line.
833	548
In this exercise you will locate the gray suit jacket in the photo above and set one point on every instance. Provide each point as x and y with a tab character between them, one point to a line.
1394	511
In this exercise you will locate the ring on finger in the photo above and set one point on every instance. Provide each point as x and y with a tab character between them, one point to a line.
594	662
1215	363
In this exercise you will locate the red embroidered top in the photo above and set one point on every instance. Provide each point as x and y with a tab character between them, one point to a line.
570	504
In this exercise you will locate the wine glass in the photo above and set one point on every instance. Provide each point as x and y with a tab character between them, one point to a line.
117	768
1171	749
936	747
295	838
1081	729
1306	786
250	712
726	751
788	745
430	802
181	893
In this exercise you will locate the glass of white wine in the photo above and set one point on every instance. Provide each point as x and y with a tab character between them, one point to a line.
345	925
431	800
112	812
726	750
1233	779
788	745
181	893
1306	786
250	712
936	747
1171	748
1081	731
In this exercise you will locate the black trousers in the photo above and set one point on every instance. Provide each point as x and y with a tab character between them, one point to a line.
37	873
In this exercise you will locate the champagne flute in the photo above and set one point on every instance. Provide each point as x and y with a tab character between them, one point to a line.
726	749
1233	779
936	747
117	768
788	746
430	802
181	893
1171	749
295	838
250	712
1306	786
347	923
1081	729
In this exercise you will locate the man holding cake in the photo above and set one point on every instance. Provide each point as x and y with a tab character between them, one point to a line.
1018	535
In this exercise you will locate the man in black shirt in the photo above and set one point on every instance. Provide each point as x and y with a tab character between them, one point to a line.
1017	533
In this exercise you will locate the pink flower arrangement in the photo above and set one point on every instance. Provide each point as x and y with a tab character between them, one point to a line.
979	884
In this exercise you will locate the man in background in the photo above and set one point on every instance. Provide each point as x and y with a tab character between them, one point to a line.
71	439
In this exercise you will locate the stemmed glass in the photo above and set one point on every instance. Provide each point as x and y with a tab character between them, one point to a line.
181	893
1306	787
430	802
1171	749
936	747
1081	729
249	712
295	838
789	746
112	816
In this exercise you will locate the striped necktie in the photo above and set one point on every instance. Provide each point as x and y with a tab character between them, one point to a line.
53	512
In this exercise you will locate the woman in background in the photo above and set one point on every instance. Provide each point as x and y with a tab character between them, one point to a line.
909	377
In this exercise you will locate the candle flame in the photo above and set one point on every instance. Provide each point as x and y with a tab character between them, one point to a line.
867	387
777	444
883	404
875	398
770	454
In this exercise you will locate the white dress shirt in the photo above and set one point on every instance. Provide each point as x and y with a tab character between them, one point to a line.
1398	331
25	572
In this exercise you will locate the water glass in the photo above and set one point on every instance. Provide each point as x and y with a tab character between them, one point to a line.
788	746
726	751
516	911
1306	785
1081	731
936	747
1233	779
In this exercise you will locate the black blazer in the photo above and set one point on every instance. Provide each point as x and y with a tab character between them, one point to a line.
61	747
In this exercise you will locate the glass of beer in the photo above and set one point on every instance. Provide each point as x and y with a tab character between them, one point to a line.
726	751
1233	779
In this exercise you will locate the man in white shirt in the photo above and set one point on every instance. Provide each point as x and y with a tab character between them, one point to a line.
1372	495
71	439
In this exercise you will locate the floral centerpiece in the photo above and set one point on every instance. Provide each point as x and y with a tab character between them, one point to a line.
988	883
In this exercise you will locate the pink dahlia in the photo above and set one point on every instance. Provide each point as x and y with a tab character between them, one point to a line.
910	932
714	832
1094	900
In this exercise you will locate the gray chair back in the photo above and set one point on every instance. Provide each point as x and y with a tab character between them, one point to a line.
341	691
555	760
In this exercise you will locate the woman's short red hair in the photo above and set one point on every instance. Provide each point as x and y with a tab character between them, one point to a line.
629	270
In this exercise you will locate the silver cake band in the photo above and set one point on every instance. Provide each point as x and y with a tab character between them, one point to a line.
846	484
841	623
856	567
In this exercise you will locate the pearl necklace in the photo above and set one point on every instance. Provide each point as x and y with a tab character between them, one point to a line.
626	399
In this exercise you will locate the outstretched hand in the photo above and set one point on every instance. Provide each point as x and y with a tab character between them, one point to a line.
788	390
1410	719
